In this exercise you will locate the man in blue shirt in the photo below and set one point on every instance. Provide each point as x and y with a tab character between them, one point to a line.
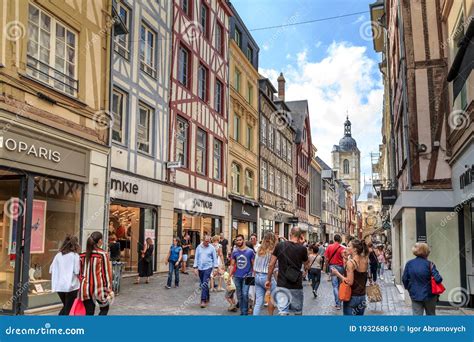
241	267
205	261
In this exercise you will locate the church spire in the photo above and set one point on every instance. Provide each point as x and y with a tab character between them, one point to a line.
347	127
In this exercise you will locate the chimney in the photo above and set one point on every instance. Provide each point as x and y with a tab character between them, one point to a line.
281	87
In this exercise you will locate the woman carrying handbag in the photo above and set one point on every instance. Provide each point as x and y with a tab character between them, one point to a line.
352	291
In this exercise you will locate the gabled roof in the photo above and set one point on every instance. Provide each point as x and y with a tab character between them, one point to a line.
323	165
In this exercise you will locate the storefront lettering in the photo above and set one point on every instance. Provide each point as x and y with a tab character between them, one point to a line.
30	150
244	212
123	186
202	204
467	177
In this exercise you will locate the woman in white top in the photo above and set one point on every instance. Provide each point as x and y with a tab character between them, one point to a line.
216	277
65	270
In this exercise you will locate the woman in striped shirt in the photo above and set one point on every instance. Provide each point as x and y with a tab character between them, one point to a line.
96	276
260	266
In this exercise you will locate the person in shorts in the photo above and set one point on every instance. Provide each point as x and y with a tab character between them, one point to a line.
186	245
229	290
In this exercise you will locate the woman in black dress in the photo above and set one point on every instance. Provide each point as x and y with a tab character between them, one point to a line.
145	264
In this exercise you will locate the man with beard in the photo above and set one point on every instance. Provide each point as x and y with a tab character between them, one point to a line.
241	268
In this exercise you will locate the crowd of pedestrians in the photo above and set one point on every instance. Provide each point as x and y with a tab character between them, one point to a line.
253	275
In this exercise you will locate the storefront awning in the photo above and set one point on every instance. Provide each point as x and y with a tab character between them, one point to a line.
463	61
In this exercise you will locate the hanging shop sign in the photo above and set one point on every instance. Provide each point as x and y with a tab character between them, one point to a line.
389	197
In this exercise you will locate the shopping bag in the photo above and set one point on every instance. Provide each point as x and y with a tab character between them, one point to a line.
78	308
374	294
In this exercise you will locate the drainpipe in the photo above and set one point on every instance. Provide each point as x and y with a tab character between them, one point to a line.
403	68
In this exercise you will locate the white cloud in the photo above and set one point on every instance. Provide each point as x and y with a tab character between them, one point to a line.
345	81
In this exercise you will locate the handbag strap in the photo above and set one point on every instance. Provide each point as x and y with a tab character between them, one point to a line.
333	254
313	262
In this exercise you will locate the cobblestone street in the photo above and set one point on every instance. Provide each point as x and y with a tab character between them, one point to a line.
154	299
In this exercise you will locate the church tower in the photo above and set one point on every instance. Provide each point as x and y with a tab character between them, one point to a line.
346	159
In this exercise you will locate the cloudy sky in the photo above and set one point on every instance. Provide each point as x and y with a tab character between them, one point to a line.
330	63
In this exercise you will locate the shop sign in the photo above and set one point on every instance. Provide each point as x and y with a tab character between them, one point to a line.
124	186
244	212
129	188
199	203
293	220
33	150
44	154
467	177
389	197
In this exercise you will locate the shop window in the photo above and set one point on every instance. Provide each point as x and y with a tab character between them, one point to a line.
52	51
181	151
235	178
147	50
144	128
122	41
119	111
57	207
217	159
201	151
132	225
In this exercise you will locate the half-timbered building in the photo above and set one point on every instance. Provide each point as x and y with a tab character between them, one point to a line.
199	117
140	76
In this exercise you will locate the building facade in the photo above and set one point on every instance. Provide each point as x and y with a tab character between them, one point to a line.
346	159
140	201
424	127
304	154
458	27
198	127
243	158
54	143
329	202
315	192
277	162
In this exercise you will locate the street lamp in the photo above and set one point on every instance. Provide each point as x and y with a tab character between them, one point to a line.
377	187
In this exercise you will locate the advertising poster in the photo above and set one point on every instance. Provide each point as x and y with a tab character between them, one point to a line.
38	222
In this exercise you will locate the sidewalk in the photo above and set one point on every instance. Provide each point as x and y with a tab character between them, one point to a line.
154	299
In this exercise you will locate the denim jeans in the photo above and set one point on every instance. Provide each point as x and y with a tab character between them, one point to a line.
242	295
260	290
204	278
175	269
373	271
315	277
335	283
355	307
288	301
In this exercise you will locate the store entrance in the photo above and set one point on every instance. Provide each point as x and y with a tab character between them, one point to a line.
130	226
11	224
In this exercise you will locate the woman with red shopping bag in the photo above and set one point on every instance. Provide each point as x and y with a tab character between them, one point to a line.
96	277
423	281
65	273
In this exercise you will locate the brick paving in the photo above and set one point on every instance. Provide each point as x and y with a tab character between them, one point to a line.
154	299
